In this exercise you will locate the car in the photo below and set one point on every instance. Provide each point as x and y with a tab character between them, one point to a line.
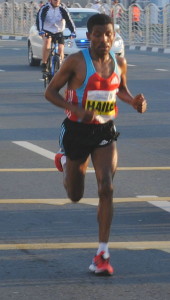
80	17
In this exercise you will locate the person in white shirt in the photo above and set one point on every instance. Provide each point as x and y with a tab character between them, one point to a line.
96	5
105	8
116	11
52	18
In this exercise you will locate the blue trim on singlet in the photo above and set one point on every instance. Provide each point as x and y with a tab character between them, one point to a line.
116	65
90	70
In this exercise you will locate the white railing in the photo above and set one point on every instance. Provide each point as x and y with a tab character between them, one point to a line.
153	29
17	18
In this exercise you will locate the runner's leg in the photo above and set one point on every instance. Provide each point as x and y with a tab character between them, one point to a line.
105	163
74	175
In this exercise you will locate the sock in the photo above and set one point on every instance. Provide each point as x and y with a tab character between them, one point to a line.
103	247
63	160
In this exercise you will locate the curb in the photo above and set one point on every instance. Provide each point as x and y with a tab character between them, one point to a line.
140	48
149	49
12	37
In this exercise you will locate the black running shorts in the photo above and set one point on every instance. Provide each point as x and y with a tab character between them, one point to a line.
58	35
78	140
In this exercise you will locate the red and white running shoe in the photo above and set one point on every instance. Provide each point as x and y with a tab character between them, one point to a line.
100	265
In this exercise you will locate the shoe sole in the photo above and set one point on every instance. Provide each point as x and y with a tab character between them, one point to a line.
103	273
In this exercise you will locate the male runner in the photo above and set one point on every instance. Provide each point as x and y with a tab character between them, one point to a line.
94	77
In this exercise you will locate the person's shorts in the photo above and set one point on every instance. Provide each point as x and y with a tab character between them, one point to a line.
79	140
59	35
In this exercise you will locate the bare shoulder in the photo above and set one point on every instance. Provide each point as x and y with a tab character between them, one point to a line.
121	61
73	60
74	69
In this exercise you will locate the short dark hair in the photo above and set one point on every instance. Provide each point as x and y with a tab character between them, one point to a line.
98	19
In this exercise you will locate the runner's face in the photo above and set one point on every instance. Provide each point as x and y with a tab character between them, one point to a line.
101	39
55	3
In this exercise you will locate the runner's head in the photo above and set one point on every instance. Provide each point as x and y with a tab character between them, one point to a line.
100	33
98	19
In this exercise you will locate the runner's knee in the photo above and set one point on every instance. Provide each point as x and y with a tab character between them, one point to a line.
105	189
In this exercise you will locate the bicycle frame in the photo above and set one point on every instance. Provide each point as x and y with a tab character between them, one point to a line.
54	60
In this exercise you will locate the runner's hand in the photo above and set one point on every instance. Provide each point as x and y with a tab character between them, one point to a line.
139	103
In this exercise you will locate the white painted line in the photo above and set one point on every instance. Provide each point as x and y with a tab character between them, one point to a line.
36	149
51	155
165	205
90	171
6	40
161	204
146	196
162	70
41	151
129	65
16	49
165	92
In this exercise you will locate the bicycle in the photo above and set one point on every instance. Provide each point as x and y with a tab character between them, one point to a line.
54	60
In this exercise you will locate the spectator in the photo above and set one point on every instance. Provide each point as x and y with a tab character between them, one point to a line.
68	4
105	8
6	9
116	11
41	3
136	20
96	5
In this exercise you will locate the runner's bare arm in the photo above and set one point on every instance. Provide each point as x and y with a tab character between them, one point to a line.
69	73
138	102
59	80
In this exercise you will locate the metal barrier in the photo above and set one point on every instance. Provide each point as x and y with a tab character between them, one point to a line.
17	18
151	30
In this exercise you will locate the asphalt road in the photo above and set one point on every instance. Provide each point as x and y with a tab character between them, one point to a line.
46	242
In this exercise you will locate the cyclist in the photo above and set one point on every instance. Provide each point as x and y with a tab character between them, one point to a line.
52	19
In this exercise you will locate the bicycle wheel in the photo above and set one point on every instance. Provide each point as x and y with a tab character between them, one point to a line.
49	63
56	63
48	76
47	80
